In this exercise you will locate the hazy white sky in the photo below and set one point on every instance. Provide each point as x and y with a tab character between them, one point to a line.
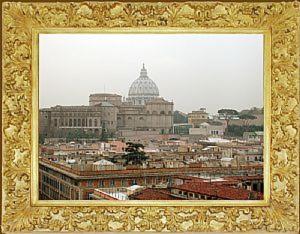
194	70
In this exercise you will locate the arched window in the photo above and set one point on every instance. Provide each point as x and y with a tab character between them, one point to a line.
79	122
162	112
90	123
83	123
129	118
70	122
170	112
75	123
141	118
95	122
148	112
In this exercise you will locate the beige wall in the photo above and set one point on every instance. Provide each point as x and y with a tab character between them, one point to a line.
197	117
208	130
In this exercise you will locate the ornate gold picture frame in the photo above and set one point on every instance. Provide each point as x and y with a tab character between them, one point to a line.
22	22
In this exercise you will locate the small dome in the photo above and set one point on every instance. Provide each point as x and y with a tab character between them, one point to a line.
142	89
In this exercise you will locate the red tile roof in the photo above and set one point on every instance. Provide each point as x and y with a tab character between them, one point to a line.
219	191
227	179
153	194
243	178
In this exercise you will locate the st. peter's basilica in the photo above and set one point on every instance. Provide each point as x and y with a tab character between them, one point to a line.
142	110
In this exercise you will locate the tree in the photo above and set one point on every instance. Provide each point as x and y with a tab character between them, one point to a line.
75	135
246	118
180	117
135	154
69	136
41	138
238	131
228	112
253	111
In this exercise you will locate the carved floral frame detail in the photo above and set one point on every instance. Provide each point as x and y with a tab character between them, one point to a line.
19	20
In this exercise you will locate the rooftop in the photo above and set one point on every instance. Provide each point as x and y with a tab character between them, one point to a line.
153	194
105	95
137	172
220	191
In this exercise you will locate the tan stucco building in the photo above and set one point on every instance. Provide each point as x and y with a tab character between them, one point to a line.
207	129
198	117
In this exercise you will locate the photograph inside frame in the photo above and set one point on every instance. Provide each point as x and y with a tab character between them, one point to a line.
151	117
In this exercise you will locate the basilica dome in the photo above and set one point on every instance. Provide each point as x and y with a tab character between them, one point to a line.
142	89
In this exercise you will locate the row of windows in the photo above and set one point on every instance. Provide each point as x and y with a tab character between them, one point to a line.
57	174
51	193
214	132
162	112
101	183
88	113
198	117
84	122
195	195
80	122
130	118
124	182
255	158
53	183
85	114
63	188
75	122
108	122
142	118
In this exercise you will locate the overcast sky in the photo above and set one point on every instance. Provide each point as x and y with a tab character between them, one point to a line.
192	70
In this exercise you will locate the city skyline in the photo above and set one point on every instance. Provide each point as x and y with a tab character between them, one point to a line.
89	78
